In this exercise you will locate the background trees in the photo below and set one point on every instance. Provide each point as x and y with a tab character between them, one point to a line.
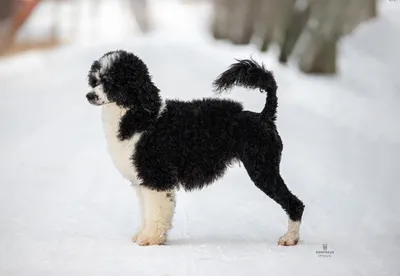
305	30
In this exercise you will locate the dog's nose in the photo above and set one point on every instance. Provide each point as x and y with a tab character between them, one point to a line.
91	96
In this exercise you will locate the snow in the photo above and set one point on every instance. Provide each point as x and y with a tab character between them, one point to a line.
65	210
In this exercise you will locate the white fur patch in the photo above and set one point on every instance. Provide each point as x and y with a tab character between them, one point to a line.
121	151
102	97
138	189
106	61
158	210
292	235
97	76
162	108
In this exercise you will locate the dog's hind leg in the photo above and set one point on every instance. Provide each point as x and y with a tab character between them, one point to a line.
294	208
269	181
158	210
276	189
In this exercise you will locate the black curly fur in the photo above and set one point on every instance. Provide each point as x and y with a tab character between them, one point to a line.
249	74
191	144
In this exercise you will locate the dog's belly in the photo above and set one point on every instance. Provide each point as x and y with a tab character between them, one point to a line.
121	152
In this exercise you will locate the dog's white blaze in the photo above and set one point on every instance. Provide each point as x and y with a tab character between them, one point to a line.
98	90
106	61
97	76
158	209
121	151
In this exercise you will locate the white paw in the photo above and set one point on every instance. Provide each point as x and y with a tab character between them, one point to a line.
137	234
289	239
144	238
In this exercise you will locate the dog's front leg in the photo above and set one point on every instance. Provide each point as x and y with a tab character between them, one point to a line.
157	212
138	190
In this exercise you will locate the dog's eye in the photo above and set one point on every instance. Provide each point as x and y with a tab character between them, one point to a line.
93	82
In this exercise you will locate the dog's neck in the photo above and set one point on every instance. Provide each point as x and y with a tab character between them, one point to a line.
126	121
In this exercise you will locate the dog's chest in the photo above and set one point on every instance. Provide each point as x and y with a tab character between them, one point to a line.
121	152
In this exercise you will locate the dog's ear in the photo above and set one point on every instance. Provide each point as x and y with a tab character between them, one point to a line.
149	98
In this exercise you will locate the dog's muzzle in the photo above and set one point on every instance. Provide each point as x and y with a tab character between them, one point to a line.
93	98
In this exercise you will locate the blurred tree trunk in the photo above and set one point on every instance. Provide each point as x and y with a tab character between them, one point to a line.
356	12
220	19
236	11
235	20
285	10
329	20
243	20
6	9
296	23
140	12
372	8
316	47
266	23
306	29
273	18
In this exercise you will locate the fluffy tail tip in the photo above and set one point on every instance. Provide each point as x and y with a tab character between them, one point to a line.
246	73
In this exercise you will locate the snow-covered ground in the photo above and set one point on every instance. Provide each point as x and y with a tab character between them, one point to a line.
65	210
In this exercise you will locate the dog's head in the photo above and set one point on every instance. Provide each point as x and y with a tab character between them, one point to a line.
122	78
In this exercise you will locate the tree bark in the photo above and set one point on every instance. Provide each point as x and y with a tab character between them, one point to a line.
266	23
220	19
357	12
242	20
316	48
325	60
372	9
140	12
296	24
274	17
285	9
6	9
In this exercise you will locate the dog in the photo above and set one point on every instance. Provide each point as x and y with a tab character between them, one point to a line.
162	145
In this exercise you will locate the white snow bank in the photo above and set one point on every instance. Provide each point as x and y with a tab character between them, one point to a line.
66	211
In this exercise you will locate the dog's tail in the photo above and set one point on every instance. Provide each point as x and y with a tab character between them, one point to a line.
249	74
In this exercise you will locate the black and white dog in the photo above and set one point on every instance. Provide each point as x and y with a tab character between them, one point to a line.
161	145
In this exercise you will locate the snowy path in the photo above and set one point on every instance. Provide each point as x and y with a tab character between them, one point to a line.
64	210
